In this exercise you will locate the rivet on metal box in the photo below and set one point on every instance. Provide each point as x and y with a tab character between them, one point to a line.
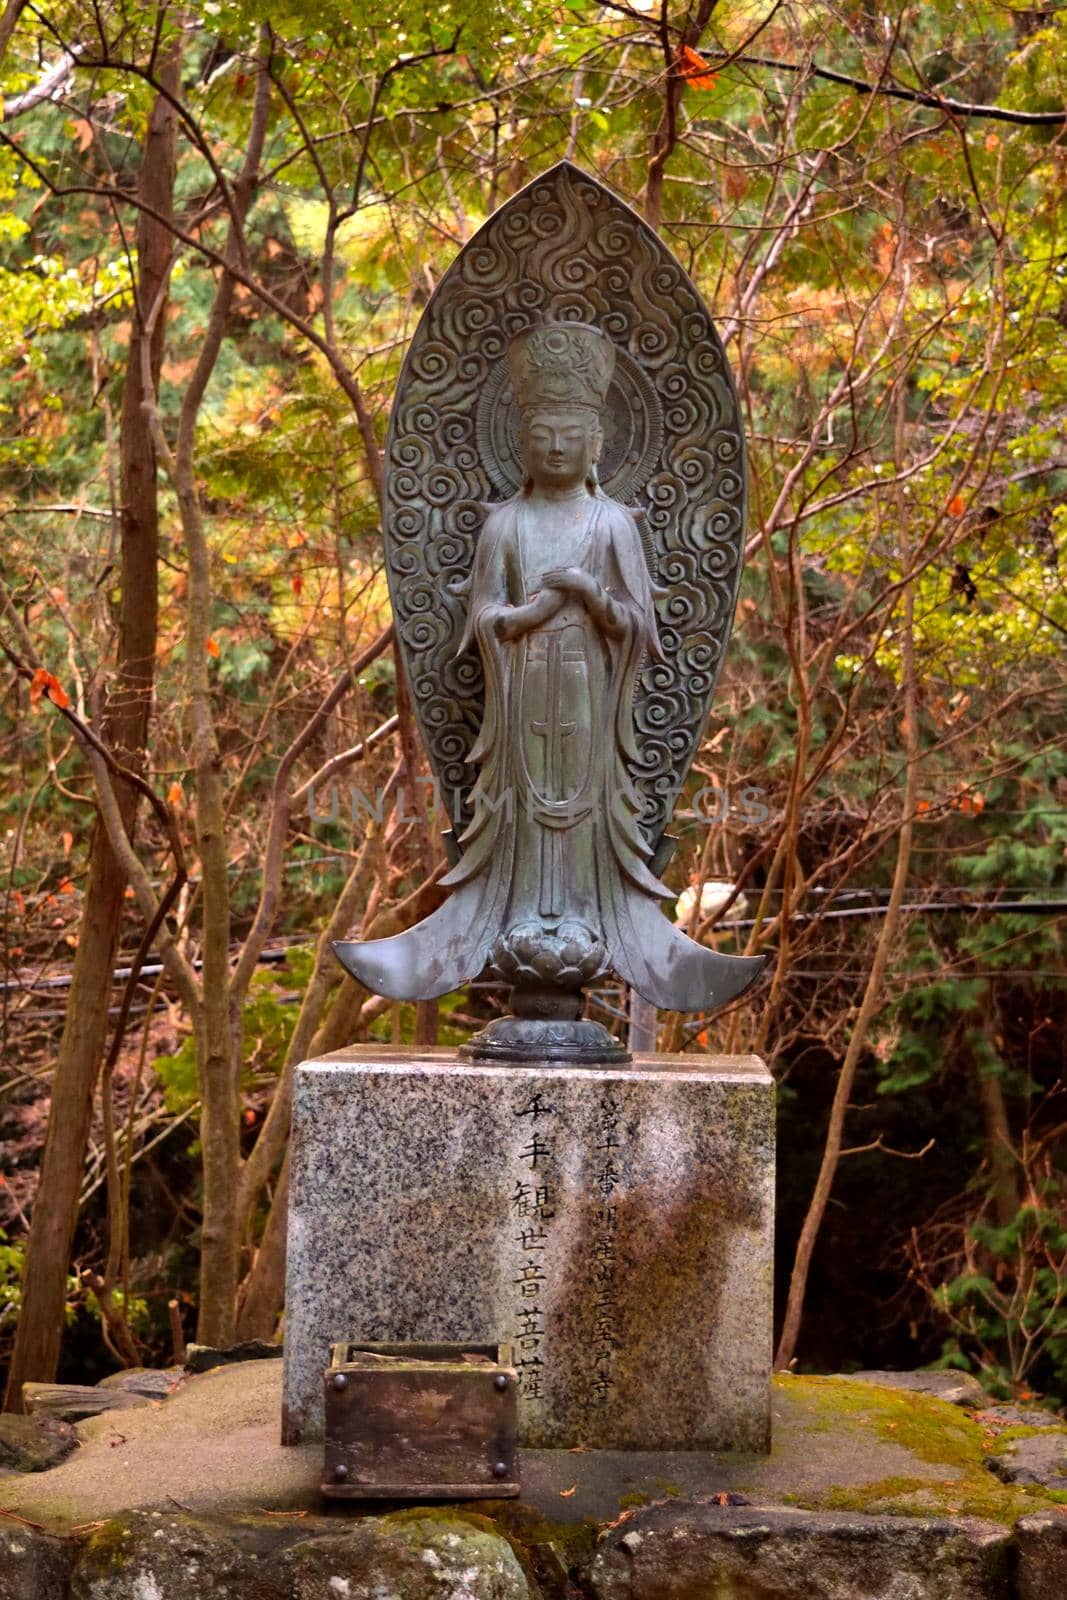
421	1421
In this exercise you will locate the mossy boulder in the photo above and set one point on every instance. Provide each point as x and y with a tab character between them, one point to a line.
1041	1545
152	1556
940	1467
865	1485
1035	1457
713	1552
423	1555
958	1388
427	1555
33	1565
33	1444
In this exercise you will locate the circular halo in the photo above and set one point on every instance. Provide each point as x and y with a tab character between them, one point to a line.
632	420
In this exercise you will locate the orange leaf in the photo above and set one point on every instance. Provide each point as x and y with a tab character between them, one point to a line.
694	69
20	904
66	887
921	807
978	804
175	794
212	648
83	132
44	682
298	584
955	506
250	1116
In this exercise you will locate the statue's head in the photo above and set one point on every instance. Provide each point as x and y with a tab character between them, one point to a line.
560	372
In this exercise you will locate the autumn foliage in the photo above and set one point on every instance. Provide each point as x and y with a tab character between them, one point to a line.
219	233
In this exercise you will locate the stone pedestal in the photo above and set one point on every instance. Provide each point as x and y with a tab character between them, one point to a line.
614	1225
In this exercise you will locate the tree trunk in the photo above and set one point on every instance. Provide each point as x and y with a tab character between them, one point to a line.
125	728
264	1288
665	137
265	1294
873	997
1001	1158
1000	1151
218	1038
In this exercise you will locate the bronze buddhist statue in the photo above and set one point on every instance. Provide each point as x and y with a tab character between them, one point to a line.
556	878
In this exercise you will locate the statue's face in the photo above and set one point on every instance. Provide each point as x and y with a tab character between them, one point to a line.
560	446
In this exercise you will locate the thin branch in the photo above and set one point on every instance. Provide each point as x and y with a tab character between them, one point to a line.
278	826
49	86
895	91
62	510
879	1144
344	758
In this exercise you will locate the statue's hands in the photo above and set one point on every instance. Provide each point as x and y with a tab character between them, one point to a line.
517	620
572	580
599	604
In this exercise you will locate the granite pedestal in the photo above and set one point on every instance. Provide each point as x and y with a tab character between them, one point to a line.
613	1224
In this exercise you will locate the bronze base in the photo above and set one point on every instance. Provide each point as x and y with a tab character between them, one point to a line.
577	1043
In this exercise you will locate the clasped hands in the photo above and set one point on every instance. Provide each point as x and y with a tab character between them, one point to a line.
572	580
558	584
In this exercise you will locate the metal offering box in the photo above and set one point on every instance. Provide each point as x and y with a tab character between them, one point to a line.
420	1421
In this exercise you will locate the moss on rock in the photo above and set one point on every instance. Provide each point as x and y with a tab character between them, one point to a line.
932	1431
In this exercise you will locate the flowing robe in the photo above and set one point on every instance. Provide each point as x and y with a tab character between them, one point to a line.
556	835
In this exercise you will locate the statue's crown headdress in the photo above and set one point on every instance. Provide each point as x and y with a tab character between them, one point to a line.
561	363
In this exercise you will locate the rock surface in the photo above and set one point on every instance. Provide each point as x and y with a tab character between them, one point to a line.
148	1556
33	1566
429	1555
33	1444
420	1555
214	1448
204	1357
681	1552
958	1388
74	1402
1038	1458
151	1383
999	1415
1041	1544
195	1497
